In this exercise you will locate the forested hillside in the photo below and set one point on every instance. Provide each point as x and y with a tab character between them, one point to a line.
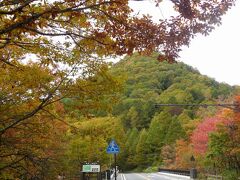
157	135
149	82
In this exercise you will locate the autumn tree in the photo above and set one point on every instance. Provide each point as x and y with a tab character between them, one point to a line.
102	27
224	147
28	98
200	136
183	155
88	141
31	150
168	156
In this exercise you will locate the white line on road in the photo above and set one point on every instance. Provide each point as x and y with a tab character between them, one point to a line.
123	177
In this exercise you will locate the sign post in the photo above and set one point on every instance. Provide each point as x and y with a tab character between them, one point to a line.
113	149
115	166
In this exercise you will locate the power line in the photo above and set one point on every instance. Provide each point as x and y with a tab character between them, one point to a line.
235	106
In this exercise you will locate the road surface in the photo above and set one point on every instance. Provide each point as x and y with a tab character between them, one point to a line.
150	176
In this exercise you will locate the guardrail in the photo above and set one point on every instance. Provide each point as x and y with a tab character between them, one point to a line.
192	173
175	171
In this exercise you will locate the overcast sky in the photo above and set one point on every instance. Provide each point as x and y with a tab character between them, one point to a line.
216	55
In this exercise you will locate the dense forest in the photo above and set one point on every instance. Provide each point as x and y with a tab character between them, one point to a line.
119	102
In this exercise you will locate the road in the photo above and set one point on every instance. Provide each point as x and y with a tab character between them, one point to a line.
150	176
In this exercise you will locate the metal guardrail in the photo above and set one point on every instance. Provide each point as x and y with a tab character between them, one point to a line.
175	171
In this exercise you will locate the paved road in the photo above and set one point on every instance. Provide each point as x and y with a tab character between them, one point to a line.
150	176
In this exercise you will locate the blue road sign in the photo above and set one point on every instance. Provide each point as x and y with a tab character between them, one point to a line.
113	148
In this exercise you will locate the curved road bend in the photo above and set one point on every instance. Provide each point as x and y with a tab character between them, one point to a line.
150	176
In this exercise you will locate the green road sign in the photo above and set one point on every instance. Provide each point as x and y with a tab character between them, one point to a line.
91	168
86	168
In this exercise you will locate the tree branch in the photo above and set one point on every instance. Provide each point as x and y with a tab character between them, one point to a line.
43	104
59	119
12	163
50	11
5	60
18	8
45	34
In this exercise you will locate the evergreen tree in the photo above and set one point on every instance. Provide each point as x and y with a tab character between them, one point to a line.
131	144
174	131
156	135
142	150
